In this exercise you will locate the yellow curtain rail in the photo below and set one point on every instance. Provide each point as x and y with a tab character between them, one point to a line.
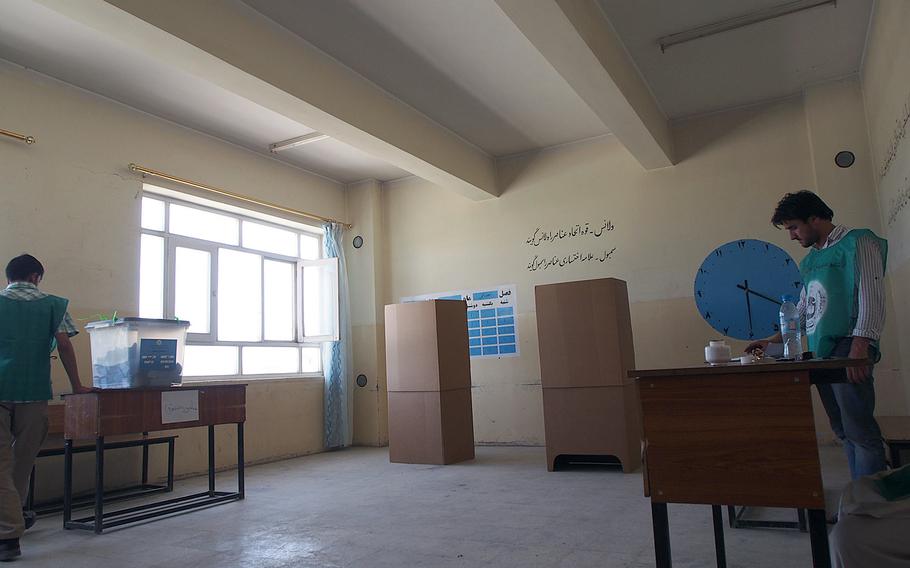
17	136
210	189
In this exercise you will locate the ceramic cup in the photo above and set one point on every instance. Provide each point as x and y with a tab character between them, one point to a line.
717	352
747	358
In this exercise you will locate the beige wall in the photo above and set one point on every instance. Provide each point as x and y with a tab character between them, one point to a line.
365	277
886	91
70	201
734	167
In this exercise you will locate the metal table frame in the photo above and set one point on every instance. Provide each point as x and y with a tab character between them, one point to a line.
738	521
144	488
101	520
818	536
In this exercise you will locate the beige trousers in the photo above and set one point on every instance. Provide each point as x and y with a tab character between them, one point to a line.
23	428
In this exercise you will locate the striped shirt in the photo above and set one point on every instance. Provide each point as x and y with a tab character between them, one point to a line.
869	300
26	291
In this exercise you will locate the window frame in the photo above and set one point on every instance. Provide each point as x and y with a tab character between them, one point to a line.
172	241
301	325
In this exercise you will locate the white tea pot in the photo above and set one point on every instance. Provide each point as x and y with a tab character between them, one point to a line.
717	352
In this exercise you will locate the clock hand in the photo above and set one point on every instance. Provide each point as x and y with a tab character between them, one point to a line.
748	306
760	295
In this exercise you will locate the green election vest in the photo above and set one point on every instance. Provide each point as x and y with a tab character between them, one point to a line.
27	329
829	275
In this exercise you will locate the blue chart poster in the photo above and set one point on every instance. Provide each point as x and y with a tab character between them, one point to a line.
492	329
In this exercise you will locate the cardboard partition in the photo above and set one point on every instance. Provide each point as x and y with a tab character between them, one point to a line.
434	427
584	330
427	346
597	421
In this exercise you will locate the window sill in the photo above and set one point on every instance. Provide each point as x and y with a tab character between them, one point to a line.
251	379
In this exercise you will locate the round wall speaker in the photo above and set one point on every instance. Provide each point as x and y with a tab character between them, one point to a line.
361	380
844	159
358	242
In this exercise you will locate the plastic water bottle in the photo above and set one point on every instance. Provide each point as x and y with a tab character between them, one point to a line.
790	332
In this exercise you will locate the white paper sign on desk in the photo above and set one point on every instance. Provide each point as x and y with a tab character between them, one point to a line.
179	406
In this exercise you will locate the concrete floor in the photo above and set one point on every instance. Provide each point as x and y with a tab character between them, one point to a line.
354	508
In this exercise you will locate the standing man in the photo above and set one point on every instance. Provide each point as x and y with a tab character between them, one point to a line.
31	322
843	303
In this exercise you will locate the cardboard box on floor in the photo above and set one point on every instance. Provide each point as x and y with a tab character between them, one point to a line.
429	382
590	405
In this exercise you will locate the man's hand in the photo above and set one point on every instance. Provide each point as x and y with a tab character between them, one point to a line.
859	349
760	344
82	390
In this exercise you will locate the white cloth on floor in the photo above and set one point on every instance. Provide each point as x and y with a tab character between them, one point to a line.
871	531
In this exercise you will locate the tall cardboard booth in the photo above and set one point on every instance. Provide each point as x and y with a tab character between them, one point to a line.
590	405
429	382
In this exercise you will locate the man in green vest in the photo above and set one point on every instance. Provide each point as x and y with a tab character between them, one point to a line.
32	323
843	303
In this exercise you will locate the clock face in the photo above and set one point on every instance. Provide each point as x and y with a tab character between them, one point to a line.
739	285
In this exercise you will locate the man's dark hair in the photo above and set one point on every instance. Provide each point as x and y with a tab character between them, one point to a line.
23	266
800	205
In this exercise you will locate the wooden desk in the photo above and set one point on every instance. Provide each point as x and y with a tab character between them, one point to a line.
132	411
734	435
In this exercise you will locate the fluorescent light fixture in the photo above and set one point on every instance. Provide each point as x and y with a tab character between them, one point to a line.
739	22
299	141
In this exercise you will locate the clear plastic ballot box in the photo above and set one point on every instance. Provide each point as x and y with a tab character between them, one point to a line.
137	352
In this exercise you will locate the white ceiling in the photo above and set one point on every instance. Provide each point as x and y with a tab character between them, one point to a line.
36	37
462	63
764	61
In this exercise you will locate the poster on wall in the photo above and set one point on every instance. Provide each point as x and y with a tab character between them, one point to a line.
894	185
895	188
492	329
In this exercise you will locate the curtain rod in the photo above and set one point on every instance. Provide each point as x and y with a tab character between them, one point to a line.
157	174
17	136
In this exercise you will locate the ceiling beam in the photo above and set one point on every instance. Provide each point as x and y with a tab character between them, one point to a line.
231	45
579	42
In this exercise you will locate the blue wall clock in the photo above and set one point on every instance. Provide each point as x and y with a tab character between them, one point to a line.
739	285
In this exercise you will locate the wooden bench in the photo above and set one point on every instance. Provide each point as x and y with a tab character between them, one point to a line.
53	446
896	433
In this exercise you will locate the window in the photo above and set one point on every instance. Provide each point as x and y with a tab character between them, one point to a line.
258	295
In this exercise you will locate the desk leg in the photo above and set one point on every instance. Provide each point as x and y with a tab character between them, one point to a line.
170	464
99	484
145	460
661	523
240	487
818	536
211	461
67	482
719	547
